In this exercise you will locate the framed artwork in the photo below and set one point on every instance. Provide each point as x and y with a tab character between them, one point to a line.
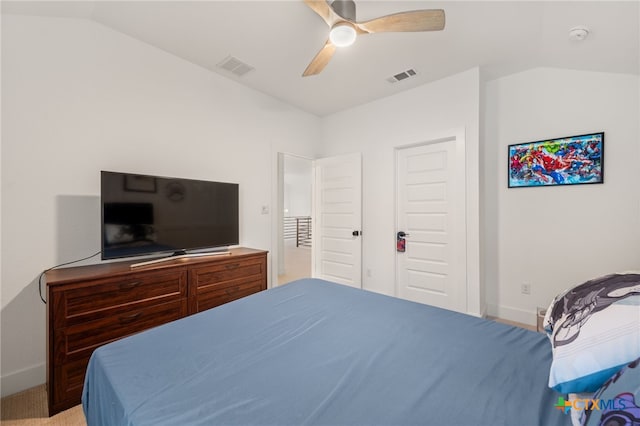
570	160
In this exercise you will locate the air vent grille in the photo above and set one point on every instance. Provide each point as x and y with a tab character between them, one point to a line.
402	76
235	66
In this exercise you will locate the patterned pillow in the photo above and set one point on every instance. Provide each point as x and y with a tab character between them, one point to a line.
594	330
617	402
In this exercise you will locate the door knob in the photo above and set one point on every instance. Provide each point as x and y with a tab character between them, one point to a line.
355	233
401	234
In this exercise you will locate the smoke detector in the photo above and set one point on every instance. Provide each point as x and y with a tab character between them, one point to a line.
578	33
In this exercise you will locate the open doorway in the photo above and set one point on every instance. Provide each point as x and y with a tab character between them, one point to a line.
296	231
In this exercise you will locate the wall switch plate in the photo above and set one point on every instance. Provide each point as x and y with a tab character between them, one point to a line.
525	288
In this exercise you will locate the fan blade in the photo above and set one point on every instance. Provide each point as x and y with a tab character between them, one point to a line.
322	8
416	20
320	60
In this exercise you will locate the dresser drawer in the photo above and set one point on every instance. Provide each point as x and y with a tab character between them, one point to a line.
220	294
103	297
80	340
69	380
228	271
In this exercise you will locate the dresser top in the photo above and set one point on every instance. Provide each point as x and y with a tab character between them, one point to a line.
65	275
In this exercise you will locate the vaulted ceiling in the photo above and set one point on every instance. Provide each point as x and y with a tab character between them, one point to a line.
279	38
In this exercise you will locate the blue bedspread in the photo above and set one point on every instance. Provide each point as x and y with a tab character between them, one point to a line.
318	353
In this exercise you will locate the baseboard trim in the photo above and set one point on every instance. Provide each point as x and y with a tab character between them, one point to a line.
23	380
512	314
483	313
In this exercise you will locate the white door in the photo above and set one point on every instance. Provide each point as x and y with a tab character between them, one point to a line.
337	216
431	211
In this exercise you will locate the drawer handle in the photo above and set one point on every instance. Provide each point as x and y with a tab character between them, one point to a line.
126	319
232	266
129	286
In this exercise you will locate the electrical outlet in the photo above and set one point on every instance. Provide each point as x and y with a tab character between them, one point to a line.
525	288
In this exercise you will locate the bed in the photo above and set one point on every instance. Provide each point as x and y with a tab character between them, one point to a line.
314	352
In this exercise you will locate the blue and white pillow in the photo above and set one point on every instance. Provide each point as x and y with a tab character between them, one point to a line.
594	330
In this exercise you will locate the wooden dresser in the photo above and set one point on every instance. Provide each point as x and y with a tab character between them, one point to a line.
89	306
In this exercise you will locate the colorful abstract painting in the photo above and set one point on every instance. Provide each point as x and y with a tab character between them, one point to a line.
561	161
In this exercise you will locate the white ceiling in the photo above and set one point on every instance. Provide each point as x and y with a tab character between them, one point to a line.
279	38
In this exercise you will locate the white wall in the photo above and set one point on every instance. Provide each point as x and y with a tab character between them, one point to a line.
572	233
78	98
297	186
375	130
557	237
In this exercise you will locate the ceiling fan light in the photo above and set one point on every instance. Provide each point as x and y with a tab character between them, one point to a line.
342	35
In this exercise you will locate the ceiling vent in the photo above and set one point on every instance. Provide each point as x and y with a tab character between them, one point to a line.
235	66
402	76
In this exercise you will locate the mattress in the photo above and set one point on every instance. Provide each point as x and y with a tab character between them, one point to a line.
314	352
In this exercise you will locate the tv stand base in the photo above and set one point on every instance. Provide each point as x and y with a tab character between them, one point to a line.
176	257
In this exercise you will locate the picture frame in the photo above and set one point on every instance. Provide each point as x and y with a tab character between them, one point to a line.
569	160
140	183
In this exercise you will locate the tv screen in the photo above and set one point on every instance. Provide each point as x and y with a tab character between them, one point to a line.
144	215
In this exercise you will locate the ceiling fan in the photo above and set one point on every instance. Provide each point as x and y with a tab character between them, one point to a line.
340	16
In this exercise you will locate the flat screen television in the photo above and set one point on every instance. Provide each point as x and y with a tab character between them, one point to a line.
149	215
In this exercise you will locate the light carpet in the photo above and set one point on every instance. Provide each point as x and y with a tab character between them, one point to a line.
29	408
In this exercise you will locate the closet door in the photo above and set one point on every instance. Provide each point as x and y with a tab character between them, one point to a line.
430	212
